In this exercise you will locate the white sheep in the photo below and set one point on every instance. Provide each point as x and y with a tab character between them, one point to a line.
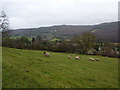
69	57
92	59
77	57
46	54
97	59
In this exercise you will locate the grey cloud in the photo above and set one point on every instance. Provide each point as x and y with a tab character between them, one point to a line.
48	12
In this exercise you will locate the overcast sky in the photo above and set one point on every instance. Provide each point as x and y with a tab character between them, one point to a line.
37	13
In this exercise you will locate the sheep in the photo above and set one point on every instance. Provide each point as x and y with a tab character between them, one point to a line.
97	59
46	54
69	57
77	57
92	59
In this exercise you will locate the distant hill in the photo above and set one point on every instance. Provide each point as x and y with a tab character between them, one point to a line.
104	31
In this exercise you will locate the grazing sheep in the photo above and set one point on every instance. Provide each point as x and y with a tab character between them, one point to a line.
46	54
77	57
91	59
97	59
69	57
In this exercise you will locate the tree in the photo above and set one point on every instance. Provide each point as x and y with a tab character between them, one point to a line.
24	39
85	42
4	24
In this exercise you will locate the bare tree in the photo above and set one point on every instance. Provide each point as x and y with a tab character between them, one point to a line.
4	24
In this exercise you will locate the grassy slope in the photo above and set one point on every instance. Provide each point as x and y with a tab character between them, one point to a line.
56	71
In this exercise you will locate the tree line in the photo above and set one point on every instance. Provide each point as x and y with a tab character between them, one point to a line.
83	44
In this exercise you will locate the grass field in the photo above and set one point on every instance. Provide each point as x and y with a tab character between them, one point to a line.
31	69
18	37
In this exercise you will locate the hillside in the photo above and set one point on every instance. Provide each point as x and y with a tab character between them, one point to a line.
31	69
104	31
